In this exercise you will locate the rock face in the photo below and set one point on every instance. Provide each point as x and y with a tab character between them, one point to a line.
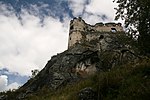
3	97
99	52
87	94
65	67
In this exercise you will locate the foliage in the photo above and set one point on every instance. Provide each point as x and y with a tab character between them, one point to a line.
136	14
126	82
34	72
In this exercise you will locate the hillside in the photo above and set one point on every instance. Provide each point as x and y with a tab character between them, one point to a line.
101	63
126	82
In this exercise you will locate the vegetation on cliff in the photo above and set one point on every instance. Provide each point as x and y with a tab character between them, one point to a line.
136	14
127	82
121	72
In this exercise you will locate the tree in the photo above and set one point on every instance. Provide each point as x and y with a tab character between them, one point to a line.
136	14
34	72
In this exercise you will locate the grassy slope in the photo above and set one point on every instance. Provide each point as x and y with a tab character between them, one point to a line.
128	82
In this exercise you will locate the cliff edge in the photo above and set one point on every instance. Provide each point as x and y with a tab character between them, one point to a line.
91	49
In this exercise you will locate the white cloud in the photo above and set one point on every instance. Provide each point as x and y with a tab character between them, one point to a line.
91	18
77	6
4	84
12	86
102	7
30	46
92	12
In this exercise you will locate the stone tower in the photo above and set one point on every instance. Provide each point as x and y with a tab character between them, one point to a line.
77	26
82	32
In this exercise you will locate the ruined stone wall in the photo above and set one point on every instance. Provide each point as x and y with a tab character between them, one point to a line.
90	37
77	26
81	31
75	37
109	28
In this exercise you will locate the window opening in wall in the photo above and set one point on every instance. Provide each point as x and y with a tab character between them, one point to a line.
92	30
80	18
70	38
71	27
113	30
101	37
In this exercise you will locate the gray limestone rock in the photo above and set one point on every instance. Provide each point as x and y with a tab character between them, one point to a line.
87	94
97	51
3	97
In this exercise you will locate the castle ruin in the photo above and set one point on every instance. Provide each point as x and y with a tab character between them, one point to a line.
81	32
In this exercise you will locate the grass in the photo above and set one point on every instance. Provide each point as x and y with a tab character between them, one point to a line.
127	82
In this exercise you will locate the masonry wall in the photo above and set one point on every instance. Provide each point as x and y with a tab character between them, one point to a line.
78	27
74	37
108	28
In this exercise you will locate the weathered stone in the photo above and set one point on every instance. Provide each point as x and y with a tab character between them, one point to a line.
3	97
78	27
98	52
77	62
87	94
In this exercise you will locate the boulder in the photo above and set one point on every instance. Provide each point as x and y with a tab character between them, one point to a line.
87	94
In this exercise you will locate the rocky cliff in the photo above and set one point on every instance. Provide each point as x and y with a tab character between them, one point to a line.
81	61
103	52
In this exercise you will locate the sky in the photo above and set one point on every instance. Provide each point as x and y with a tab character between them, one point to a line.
32	31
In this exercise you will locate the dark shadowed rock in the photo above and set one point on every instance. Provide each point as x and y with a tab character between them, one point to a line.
74	64
3	97
95	51
87	94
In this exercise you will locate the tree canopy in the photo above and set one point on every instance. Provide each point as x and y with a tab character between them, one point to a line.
136	14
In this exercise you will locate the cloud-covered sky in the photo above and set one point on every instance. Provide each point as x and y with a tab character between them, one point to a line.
31	31
4	84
